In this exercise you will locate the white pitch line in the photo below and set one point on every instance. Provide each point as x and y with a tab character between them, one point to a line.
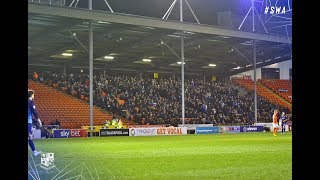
62	170
35	166
111	173
82	169
73	177
89	171
96	171
57	169
68	172
32	169
31	175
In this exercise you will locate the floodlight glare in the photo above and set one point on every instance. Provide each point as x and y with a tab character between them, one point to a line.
146	60
67	54
109	57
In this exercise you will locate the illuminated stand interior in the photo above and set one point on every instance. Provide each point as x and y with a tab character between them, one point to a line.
128	19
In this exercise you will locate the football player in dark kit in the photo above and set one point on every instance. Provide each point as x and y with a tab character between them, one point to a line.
32	112
284	120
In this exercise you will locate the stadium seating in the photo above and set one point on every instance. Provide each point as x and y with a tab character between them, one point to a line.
263	91
281	87
157	101
70	111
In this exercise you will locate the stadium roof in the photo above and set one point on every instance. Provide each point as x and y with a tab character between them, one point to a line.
52	31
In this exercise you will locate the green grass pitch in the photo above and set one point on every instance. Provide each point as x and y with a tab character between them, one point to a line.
216	156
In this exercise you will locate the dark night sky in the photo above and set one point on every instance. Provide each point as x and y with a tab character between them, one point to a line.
205	10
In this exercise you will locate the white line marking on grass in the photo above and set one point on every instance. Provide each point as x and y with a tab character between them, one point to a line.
68	172
113	177
96	171
38	177
82	169
89	171
31	175
62	170
32	170
57	169
73	177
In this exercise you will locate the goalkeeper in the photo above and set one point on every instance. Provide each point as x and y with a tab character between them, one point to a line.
32	112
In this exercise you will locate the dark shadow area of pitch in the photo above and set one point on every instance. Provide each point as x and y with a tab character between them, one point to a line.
61	168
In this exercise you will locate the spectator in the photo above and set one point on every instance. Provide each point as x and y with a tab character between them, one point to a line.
158	101
120	124
35	76
56	122
107	123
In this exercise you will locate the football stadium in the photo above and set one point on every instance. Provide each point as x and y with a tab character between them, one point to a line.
159	89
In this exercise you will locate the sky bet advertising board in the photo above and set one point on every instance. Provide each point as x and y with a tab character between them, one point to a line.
69	133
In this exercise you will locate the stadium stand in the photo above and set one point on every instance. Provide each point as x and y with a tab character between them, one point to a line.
281	87
71	112
263	91
157	101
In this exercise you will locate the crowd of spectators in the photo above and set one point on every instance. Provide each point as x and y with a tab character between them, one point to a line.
158	101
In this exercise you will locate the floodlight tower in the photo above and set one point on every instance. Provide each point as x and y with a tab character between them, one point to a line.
182	63
91	70
165	17
252	10
77	1
91	63
167	14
